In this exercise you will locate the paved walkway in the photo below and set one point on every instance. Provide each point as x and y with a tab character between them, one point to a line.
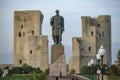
68	77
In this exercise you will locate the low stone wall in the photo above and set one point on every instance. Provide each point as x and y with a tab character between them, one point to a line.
60	78
21	74
2	66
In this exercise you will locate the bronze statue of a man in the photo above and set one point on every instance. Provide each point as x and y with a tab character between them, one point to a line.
57	23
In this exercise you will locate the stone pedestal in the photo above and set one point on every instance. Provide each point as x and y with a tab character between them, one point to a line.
58	61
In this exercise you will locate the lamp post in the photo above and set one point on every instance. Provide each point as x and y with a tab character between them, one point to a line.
92	62
98	60
102	52
89	65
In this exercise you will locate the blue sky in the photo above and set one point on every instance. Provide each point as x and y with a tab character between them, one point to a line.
71	10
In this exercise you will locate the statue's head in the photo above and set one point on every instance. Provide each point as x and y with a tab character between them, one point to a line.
57	12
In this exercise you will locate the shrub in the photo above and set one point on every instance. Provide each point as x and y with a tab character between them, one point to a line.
85	70
113	70
25	69
15	70
47	71
72	71
36	76
1	72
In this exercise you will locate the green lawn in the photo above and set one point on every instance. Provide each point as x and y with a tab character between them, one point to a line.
17	78
113	78
14	78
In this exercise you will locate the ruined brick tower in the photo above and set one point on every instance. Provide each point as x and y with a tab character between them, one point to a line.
30	46
95	32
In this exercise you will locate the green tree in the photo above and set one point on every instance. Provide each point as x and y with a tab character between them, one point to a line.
118	59
118	62
47	71
25	69
42	76
85	70
95	67
113	70
1	72
105	69
36	76
28	69
72	71
15	70
6	68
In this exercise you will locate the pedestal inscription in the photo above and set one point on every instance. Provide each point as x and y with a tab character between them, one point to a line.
58	61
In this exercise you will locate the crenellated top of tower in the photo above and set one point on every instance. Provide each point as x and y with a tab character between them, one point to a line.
91	26
28	11
28	22
89	21
103	18
26	15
